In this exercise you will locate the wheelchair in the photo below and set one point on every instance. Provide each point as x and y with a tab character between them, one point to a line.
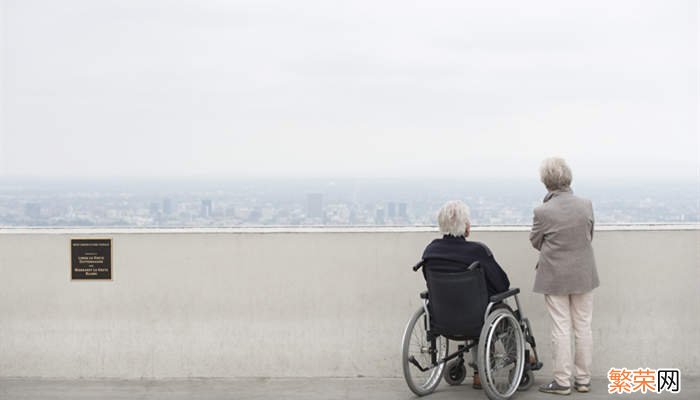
457	308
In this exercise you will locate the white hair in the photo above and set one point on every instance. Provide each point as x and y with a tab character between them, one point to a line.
555	174
453	218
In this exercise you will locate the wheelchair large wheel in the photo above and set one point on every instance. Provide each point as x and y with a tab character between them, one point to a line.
415	344
501	354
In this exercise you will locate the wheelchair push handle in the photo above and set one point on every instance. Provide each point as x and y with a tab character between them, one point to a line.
418	265
421	263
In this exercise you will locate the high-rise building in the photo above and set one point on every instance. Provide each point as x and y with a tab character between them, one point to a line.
167	206
391	210
314	205
403	210
379	216
206	208
352	218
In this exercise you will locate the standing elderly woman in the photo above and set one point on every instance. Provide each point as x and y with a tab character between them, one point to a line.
562	231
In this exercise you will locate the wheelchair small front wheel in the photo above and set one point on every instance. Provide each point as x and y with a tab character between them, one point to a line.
417	349
527	381
501	355
455	372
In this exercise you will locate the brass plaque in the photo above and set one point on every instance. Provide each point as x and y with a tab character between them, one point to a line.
91	259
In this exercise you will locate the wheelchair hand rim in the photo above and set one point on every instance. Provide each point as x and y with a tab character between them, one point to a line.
487	374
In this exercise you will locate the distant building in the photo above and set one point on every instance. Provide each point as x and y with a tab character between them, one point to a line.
403	210
154	208
267	213
391	210
206	210
242	212
33	210
255	215
314	205
352	218
230	211
167	206
379	216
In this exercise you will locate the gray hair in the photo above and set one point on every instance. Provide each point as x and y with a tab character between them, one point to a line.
555	174
453	218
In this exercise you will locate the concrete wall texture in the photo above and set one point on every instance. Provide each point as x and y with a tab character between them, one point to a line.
325	303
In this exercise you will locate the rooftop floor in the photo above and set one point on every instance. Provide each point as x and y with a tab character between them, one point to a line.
262	388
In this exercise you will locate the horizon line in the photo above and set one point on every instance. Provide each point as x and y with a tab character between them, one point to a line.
534	178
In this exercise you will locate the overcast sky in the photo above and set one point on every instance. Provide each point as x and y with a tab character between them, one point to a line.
352	88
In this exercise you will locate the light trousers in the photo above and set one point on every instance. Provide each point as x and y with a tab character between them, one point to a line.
567	312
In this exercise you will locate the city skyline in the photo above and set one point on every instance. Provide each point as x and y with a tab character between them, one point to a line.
183	203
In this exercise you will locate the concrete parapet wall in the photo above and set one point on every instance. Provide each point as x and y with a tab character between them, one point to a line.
308	302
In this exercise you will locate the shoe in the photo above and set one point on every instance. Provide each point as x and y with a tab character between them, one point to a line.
532	360
554	388
582	387
477	382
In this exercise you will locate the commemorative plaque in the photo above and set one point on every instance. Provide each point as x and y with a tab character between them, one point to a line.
91	259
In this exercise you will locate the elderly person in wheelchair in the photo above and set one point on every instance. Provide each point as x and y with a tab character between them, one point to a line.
466	304
453	251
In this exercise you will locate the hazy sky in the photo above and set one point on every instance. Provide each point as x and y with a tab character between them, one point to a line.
352	88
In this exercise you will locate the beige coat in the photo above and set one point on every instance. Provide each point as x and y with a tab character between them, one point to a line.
562	231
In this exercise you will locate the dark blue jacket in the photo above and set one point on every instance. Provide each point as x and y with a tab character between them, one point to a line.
457	252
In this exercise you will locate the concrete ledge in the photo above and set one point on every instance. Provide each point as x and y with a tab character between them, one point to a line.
307	304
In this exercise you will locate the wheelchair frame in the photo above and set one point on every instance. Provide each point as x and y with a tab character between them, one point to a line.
496	301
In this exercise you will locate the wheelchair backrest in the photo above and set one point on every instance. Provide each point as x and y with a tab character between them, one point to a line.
457	298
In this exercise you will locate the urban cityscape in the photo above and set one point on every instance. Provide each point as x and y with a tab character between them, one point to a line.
318	202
